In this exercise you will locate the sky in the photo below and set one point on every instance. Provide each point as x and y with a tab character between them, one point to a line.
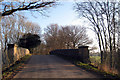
63	14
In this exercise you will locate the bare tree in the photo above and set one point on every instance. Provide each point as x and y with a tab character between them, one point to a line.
51	36
75	36
13	27
65	37
103	18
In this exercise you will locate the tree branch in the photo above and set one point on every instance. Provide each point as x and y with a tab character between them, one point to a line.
28	7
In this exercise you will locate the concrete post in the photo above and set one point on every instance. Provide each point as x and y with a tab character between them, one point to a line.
11	52
16	54
84	52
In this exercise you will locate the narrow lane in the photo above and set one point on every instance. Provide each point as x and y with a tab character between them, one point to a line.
50	66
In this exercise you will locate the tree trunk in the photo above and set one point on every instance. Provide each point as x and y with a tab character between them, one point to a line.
0	50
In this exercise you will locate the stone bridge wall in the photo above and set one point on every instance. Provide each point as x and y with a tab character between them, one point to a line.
12	54
81	54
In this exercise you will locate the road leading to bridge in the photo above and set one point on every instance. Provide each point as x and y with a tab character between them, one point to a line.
50	66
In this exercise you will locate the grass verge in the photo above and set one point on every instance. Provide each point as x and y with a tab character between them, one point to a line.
92	69
95	70
12	70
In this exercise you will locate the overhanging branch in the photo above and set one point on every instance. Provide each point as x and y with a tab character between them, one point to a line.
28	7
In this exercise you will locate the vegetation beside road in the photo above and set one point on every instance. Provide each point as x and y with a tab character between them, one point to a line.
92	68
95	60
12	70
95	70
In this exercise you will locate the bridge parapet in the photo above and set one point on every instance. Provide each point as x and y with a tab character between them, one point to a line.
80	54
12	54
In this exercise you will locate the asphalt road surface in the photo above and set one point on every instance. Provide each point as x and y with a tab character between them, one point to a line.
50	66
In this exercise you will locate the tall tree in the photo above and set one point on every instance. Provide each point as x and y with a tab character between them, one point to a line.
103	18
65	37
51	36
13	28
75	36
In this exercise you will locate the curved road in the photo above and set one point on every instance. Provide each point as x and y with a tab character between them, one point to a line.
50	66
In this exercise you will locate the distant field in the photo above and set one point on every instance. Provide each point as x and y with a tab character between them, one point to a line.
95	60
